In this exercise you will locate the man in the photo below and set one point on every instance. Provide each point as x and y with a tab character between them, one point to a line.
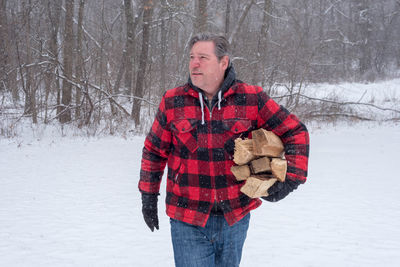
194	132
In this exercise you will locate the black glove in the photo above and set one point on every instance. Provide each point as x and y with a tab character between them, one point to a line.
149	210
280	190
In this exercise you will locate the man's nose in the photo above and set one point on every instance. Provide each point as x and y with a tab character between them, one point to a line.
195	62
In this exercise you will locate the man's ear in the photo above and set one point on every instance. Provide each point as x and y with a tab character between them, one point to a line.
225	62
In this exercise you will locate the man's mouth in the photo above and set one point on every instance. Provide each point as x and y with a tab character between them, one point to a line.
196	73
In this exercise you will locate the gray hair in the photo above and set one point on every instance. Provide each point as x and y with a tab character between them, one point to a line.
220	42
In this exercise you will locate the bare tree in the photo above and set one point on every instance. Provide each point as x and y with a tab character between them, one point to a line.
126	53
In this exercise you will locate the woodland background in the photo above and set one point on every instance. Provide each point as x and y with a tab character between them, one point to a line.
103	65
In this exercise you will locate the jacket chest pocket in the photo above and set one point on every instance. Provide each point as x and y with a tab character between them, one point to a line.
185	132
236	128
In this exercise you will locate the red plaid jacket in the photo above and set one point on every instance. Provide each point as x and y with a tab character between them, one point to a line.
199	156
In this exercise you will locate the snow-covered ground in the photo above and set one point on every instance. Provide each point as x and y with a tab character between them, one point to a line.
74	202
378	93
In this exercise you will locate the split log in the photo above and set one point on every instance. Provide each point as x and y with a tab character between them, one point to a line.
255	187
243	151
260	165
241	172
266	143
279	168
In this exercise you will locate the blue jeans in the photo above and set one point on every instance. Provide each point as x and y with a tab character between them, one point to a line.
217	244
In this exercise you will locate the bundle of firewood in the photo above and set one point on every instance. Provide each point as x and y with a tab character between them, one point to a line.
260	161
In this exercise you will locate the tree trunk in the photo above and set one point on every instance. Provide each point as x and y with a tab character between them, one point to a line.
262	45
227	16
321	20
240	22
147	16
201	17
80	62
129	47
364	28
163	48
65	115
25	79
3	45
51	81
121	71
30	100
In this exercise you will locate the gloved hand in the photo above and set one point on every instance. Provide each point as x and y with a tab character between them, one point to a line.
280	190
150	211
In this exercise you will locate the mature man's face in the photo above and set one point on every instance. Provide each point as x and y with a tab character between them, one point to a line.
206	71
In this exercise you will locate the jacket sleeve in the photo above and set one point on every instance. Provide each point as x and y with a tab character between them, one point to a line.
293	134
155	153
